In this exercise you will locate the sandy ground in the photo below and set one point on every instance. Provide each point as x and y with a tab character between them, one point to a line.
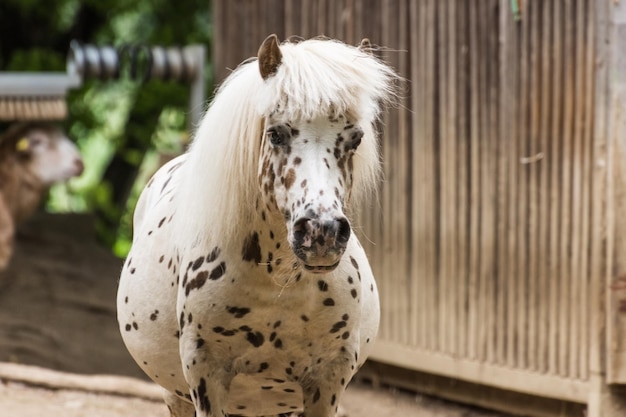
124	397
57	321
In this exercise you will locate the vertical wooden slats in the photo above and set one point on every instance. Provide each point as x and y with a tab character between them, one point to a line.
586	198
445	204
426	232
553	164
544	117
510	156
475	300
461	27
522	226
484	238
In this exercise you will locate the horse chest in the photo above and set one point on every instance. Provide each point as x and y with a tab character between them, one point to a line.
256	327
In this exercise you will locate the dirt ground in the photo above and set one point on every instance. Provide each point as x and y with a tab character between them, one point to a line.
48	393
61	353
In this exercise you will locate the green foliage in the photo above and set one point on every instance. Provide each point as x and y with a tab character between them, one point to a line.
125	129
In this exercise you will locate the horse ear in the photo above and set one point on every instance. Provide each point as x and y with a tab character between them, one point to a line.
270	56
366	46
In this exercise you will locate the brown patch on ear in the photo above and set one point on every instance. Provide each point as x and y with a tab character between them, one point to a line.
366	46
270	56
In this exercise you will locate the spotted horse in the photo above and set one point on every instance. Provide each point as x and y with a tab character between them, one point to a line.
245	291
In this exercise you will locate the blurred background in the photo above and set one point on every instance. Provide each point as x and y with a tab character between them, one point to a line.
124	128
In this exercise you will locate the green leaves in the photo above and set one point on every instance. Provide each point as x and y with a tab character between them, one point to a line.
124	129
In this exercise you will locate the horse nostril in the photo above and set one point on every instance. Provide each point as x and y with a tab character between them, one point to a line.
343	232
301	227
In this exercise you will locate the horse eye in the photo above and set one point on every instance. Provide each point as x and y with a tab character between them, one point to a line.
278	136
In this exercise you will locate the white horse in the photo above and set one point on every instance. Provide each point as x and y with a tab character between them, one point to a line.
245	292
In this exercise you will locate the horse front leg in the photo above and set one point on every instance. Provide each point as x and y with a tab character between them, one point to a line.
207	379
323	389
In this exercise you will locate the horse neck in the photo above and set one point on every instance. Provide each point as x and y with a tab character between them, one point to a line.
266	246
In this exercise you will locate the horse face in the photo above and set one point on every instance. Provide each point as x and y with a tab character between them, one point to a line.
306	176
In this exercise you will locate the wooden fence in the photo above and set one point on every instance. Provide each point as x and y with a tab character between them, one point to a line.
496	238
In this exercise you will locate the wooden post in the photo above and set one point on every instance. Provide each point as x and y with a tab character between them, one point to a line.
608	350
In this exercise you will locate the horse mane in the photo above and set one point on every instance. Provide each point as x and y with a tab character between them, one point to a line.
317	77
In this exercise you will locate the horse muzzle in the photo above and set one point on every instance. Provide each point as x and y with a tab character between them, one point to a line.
319	244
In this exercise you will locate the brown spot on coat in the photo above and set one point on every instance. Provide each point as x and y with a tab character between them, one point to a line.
290	178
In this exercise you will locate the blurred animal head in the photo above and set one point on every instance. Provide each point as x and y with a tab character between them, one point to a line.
43	150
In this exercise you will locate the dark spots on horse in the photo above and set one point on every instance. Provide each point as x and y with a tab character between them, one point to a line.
125	300
267	387
132	270
354	263
354	293
197	263
350	280
297	160
345	335
329	302
224	332
211	257
338	326
322	285
199	343
154	315
326	163
263	366
167	181
203	399
304	318
238	312
303	183
241	407
289	390
251	249
256	339
277	324
316	396
128	327
162	221
278	344
218	271
333	399
197	282
372	287
290	178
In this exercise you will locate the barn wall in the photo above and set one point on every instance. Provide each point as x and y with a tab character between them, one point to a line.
494	225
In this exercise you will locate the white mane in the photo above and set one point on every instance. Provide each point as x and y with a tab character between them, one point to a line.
316	78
